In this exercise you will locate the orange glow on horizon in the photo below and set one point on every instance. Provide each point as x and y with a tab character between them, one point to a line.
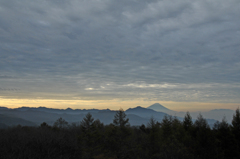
113	104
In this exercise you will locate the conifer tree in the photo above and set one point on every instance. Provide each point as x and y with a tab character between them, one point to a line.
226	140
167	126
201	123
236	128
236	123
120	119
187	121
152	123
87	122
60	123
204	139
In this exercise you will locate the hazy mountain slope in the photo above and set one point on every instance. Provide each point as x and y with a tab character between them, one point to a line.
216	114
145	113
211	116
137	115
105	116
13	121
3	108
58	111
3	126
160	108
38	117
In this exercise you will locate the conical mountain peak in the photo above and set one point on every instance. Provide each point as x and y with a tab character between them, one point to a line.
158	107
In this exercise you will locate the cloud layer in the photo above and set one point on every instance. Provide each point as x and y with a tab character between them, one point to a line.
168	50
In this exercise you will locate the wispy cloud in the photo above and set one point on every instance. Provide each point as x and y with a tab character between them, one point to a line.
9	89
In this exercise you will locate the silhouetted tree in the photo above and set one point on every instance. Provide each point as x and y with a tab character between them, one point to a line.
120	135
236	128
166	126
236	124
204	139
60	123
152	123
87	122
120	119
90	138
226	142
187	121
45	125
154	137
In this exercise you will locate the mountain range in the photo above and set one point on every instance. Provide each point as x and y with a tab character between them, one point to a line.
216	114
31	116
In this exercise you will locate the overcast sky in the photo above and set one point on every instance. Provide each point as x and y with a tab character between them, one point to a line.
120	50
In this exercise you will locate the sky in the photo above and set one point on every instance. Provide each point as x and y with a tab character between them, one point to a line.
184	54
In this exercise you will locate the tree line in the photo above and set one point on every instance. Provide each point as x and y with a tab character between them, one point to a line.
91	139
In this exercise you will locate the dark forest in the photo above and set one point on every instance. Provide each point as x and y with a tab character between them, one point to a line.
91	139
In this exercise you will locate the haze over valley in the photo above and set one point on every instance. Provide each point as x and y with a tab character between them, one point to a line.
30	116
111	54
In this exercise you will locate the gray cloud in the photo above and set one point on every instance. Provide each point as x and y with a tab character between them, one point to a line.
8	89
104	49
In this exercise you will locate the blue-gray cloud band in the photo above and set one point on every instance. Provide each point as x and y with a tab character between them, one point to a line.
80	47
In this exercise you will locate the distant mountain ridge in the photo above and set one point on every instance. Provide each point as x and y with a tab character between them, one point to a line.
215	114
60	111
137	116
146	113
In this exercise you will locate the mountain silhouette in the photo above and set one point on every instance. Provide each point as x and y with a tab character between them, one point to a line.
158	107
146	113
35	116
